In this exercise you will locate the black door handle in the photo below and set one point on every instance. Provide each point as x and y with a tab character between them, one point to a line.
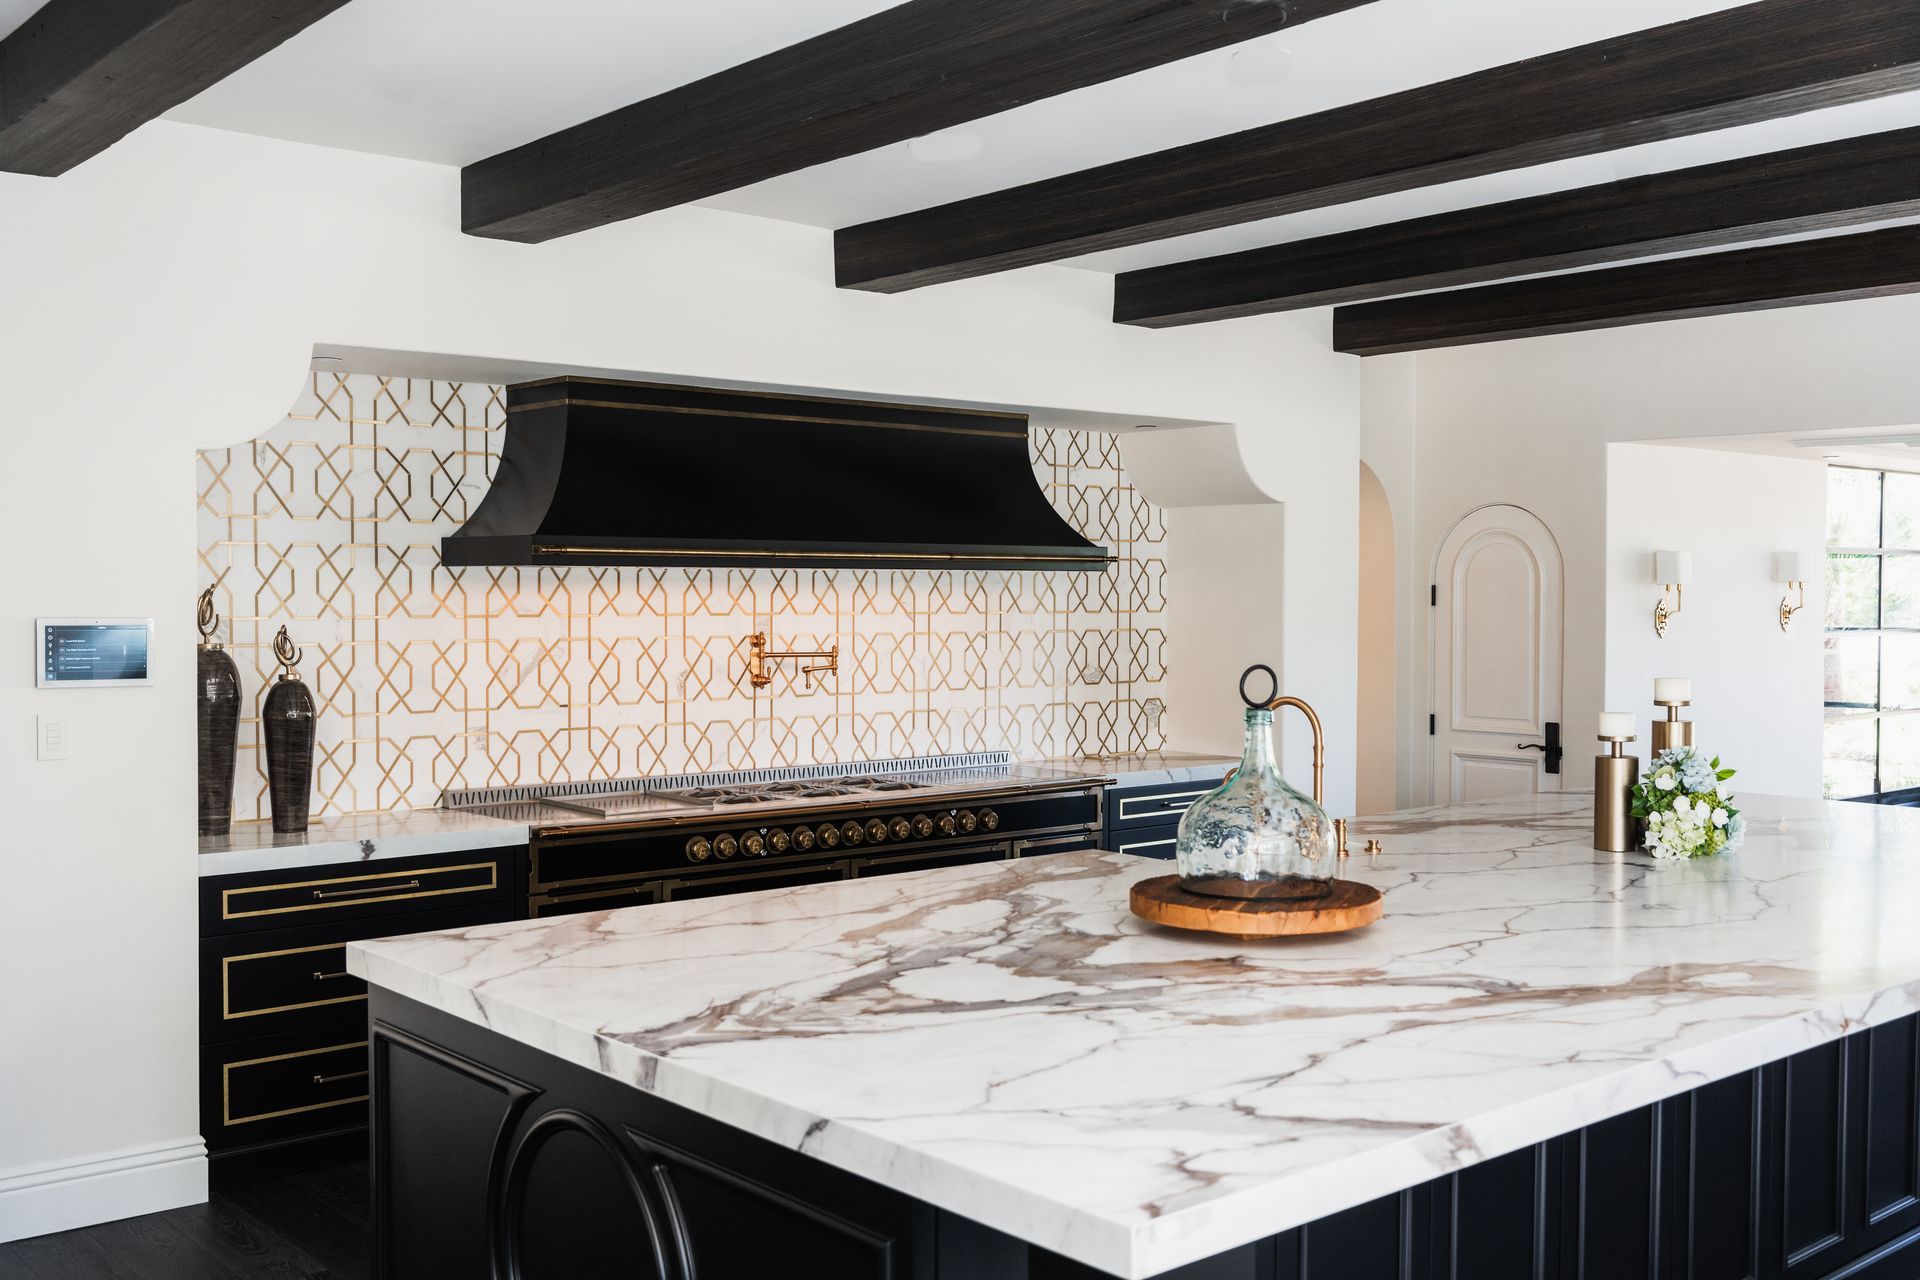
1551	746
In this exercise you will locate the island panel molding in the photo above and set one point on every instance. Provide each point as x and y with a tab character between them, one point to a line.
428	678
79	75
909	70
1139	1099
1868	264
1821	188
1738	66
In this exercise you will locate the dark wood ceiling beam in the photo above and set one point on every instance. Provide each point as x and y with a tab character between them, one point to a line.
1756	62
79	75
1870	264
906	71
1829	187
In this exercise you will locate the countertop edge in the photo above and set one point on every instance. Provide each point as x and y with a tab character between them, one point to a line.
1137	1250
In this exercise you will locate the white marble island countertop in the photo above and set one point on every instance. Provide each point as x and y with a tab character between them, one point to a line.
1007	1042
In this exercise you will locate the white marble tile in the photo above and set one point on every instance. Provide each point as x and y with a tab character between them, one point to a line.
1006	1041
365	837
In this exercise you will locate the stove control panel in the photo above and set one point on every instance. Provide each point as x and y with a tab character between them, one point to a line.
761	842
725	847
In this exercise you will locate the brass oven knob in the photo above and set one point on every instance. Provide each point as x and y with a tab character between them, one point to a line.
989	820
947	827
852	833
900	828
803	838
968	822
922	825
779	840
829	836
725	846
698	850
754	844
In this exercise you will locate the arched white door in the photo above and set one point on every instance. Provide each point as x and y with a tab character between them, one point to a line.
1497	617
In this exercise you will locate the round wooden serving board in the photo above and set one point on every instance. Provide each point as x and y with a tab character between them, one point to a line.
1351	905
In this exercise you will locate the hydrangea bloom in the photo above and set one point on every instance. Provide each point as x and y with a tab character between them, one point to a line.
1688	806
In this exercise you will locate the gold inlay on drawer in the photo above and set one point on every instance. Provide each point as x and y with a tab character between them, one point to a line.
371	891
227	1013
226	1085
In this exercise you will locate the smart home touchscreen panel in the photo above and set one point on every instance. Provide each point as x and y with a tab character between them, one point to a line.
92	652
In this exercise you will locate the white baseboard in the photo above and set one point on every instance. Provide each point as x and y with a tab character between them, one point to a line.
125	1184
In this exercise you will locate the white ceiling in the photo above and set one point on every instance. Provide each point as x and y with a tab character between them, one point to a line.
450	81
1881	448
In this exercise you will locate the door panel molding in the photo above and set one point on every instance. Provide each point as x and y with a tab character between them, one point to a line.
1495	653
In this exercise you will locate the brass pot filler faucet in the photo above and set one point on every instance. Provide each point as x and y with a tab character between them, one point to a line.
760	661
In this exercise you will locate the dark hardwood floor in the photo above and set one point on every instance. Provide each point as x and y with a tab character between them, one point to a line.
303	1214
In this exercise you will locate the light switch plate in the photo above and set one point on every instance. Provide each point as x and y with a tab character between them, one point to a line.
50	737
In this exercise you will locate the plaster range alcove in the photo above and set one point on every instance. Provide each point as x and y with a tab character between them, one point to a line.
431	678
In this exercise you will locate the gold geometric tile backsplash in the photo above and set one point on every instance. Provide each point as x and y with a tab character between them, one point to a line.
428	678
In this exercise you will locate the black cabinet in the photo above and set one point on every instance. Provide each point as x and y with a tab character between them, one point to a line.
1145	820
283	1025
1805	1167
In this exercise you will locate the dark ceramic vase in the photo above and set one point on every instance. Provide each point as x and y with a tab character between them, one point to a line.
216	708
286	722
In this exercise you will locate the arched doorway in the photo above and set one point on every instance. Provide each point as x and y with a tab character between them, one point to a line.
1497	656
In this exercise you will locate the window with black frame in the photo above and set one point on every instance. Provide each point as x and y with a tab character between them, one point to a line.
1873	635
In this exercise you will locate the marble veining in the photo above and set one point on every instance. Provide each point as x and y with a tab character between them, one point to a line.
1006	1041
364	837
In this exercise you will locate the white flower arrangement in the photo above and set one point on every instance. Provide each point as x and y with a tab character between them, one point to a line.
1688	806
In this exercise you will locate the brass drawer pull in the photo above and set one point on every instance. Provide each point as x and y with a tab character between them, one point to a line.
321	895
345	1075
323	977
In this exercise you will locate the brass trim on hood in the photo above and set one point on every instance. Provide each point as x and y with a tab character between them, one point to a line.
573	402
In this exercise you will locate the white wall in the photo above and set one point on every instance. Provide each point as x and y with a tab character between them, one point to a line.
1757	691
1528	422
166	295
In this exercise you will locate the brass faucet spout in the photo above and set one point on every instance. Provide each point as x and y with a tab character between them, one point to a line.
760	661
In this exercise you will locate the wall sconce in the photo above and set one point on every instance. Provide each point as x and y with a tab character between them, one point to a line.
1788	568
1672	571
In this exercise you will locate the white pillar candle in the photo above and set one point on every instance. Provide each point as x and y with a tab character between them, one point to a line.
1672	689
1617	724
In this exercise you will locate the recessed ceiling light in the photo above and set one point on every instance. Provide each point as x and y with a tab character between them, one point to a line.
1260	64
946	147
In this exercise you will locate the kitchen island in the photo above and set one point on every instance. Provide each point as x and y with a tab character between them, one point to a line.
1543	1061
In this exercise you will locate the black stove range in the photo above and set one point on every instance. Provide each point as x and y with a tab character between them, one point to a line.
699	842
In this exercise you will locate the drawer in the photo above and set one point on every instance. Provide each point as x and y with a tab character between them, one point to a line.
255	984
1147	842
605	898
277	1088
1066	842
932	858
1153	806
768	878
275	900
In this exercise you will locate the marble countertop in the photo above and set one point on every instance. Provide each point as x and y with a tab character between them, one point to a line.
1140	770
1007	1042
365	837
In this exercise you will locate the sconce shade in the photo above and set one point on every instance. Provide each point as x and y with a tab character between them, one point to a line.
1788	567
1672	568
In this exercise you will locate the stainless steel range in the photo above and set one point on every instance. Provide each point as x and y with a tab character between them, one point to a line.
660	840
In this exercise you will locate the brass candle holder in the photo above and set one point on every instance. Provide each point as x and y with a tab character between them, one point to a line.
1615	829
1673	731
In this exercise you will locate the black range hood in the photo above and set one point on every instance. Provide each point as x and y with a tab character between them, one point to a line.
599	472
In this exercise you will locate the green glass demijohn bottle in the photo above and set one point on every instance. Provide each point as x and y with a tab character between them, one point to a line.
1254	836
